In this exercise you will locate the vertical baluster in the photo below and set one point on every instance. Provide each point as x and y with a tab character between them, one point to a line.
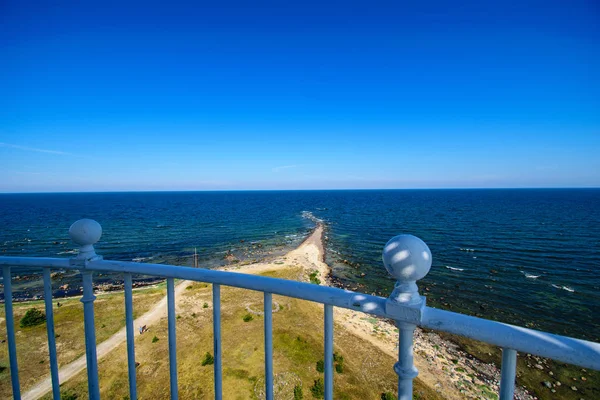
405	367
86	233
51	334
408	259
509	372
268	308
328	351
130	337
217	341
90	335
10	333
172	337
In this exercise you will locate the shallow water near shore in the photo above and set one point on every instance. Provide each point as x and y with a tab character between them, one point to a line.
528	257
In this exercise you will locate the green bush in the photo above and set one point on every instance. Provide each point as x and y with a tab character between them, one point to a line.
337	358
205	305
318	389
298	395
320	366
32	317
313	278
154	339
388	396
339	368
68	395
208	359
248	318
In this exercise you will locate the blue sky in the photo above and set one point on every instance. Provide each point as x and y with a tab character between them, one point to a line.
298	95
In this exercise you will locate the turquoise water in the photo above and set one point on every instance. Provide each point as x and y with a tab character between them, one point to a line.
529	257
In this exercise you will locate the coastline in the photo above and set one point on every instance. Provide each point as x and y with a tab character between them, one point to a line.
442	365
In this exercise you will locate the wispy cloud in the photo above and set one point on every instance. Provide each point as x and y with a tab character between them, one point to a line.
25	148
283	167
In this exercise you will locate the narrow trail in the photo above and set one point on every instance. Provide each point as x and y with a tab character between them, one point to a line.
310	252
66	372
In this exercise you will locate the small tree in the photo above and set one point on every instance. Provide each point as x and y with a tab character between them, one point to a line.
208	359
320	366
32	317
318	389
248	318
388	396
298	395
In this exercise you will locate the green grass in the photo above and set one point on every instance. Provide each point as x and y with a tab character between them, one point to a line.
297	346
32	342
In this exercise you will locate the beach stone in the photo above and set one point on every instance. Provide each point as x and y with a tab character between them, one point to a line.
547	384
539	366
574	388
558	383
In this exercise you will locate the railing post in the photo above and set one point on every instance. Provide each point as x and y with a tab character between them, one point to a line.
408	259
10	332
86	233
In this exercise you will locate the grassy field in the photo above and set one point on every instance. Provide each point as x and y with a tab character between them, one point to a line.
365	373
32	342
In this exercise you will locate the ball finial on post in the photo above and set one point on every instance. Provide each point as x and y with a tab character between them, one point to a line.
408	259
86	233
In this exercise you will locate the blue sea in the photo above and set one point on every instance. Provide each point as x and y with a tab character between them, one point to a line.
523	256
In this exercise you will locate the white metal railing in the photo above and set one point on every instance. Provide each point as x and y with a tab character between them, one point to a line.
406	258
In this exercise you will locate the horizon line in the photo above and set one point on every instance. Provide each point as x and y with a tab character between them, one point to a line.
303	190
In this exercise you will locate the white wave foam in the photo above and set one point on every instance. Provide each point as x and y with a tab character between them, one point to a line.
464	249
454	269
529	275
567	288
309	215
69	252
141	259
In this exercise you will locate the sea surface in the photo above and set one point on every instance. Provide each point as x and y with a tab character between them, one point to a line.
524	256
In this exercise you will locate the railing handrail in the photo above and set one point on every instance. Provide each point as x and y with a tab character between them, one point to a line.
579	352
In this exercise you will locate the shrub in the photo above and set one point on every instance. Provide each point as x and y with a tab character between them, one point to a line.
320	366
248	318
339	368
68	395
388	396
313	278
205	305
318	389
154	339
298	395
32	317
208	359
337	358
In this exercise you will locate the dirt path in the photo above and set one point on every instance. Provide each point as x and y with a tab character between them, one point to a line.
66	372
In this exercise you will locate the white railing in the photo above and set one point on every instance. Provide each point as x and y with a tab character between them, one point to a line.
405	257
